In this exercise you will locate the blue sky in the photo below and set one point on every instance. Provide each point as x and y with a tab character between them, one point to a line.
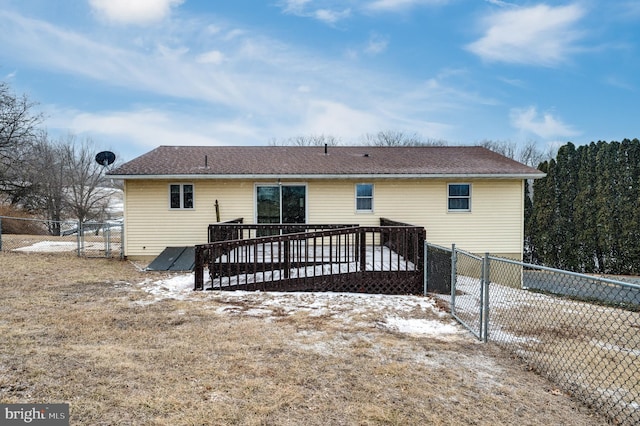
135	74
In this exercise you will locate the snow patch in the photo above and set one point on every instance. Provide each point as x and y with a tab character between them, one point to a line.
177	287
49	246
414	315
58	246
421	327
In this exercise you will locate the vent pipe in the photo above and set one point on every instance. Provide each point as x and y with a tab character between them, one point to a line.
325	148
206	162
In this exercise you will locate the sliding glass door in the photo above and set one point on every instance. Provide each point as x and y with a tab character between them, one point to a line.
281	203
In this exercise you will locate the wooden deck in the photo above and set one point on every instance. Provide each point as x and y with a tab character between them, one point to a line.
385	259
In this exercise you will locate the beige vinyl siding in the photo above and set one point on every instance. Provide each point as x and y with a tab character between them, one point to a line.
150	225
495	223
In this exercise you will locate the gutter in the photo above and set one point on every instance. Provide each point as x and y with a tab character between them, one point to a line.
329	176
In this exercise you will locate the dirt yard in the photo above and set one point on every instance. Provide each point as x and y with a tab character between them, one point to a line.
122	346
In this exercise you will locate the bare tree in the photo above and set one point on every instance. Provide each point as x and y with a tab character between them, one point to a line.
45	172
17	120
508	149
531	155
56	179
18	129
528	154
60	180
398	138
88	191
310	140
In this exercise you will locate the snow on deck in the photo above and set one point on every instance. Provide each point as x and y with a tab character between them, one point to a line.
378	258
336	261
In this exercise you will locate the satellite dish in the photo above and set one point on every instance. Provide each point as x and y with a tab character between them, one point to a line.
105	158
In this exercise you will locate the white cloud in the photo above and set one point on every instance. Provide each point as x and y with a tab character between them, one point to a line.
331	16
333	11
171	53
233	34
337	119
163	71
545	126
211	57
141	12
147	127
399	5
131	132
11	75
307	9
259	88
619	83
294	6
377	44
500	3
538	35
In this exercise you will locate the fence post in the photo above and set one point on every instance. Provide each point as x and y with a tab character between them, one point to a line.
79	238
486	279
0	234
483	265
454	279
424	270
106	233
122	240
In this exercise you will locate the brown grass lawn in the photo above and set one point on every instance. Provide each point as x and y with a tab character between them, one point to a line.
88	332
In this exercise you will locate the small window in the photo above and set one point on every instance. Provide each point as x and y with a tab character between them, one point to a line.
459	199
181	196
364	197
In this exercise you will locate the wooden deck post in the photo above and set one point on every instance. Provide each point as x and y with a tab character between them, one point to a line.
199	269
363	251
287	258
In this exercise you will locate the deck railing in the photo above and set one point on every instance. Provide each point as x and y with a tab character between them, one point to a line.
385	259
237	230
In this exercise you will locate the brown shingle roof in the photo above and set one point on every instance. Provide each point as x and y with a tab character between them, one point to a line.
238	161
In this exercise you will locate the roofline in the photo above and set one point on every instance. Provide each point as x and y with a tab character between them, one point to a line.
335	176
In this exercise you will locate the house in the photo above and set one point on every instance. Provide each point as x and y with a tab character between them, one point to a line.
466	195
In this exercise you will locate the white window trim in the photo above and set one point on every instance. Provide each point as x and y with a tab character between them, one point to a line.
181	185
373	192
450	197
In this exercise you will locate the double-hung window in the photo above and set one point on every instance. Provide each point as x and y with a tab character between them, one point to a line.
459	197
181	196
364	197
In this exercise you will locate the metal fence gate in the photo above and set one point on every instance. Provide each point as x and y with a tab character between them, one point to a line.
459	277
100	240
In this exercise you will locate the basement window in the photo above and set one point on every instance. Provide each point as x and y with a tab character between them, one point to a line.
181	196
459	197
